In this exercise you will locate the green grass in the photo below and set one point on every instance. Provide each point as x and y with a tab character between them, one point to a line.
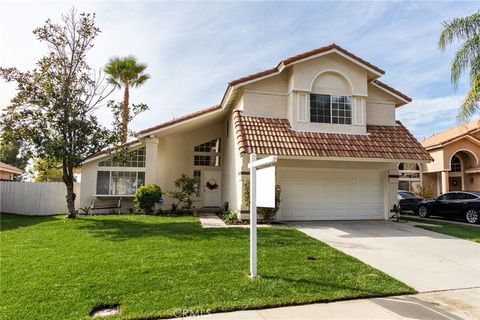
52	268
452	229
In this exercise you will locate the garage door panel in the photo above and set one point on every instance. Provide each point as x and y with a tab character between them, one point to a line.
331	194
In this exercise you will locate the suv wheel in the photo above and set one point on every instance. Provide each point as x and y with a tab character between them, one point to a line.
472	216
423	211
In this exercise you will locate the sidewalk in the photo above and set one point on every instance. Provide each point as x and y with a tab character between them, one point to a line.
441	305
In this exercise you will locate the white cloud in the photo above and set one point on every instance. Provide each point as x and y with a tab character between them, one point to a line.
425	117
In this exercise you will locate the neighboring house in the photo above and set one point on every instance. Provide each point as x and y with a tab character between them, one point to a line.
323	113
456	154
7	172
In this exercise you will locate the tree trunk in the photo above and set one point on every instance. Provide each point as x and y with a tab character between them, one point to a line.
68	180
125	114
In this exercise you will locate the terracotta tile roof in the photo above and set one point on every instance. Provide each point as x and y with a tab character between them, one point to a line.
8	168
387	87
451	134
302	56
275	137
180	119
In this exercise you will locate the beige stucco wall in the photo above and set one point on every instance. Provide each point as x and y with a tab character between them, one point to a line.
469	159
305	73
380	107
232	167
469	153
175	156
88	185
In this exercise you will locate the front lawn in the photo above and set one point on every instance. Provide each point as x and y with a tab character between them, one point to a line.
52	268
466	232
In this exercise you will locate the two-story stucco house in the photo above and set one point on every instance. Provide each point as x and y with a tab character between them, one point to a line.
323	113
456	154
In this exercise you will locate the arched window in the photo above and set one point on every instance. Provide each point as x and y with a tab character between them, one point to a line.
455	164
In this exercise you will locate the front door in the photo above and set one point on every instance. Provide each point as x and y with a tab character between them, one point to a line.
211	188
455	183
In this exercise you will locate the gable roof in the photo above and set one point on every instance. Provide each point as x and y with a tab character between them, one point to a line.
256	76
8	168
181	119
391	90
449	135
302	56
275	137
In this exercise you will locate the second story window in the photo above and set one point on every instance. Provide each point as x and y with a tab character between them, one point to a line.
330	109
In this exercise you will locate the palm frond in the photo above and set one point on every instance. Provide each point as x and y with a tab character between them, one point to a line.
464	58
459	29
471	105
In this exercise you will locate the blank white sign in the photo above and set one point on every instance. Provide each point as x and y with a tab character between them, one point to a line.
266	187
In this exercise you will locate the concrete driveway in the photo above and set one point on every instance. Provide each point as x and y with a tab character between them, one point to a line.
422	259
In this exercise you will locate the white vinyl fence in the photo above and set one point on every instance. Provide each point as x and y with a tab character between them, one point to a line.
35	198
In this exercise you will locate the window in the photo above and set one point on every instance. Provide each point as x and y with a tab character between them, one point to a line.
466	196
211	146
455	164
410	176
207	154
197	177
330	109
136	159
119	182
206	161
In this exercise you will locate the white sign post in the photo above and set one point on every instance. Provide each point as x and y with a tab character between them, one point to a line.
261	194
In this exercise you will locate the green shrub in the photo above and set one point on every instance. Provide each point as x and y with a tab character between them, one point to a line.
229	216
146	196
184	194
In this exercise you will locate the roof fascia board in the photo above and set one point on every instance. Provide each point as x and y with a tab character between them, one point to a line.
282	66
389	92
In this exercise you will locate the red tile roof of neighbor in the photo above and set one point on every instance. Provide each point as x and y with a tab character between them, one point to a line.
8	168
451	134
302	56
275	137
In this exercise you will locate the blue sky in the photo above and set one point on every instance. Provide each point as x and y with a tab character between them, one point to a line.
194	48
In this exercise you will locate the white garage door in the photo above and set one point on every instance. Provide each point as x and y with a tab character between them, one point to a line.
331	194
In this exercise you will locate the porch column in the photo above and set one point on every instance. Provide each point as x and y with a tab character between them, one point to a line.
151	164
445	181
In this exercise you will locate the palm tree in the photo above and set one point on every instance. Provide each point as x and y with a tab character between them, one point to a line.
467	31
127	73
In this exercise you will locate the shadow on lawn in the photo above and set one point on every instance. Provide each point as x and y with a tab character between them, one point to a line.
122	229
9	221
125	229
335	286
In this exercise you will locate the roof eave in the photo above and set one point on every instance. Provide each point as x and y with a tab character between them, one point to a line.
401	100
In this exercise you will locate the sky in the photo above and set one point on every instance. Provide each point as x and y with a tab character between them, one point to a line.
193	49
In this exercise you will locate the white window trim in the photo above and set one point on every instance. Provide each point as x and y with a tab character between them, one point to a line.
117	169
